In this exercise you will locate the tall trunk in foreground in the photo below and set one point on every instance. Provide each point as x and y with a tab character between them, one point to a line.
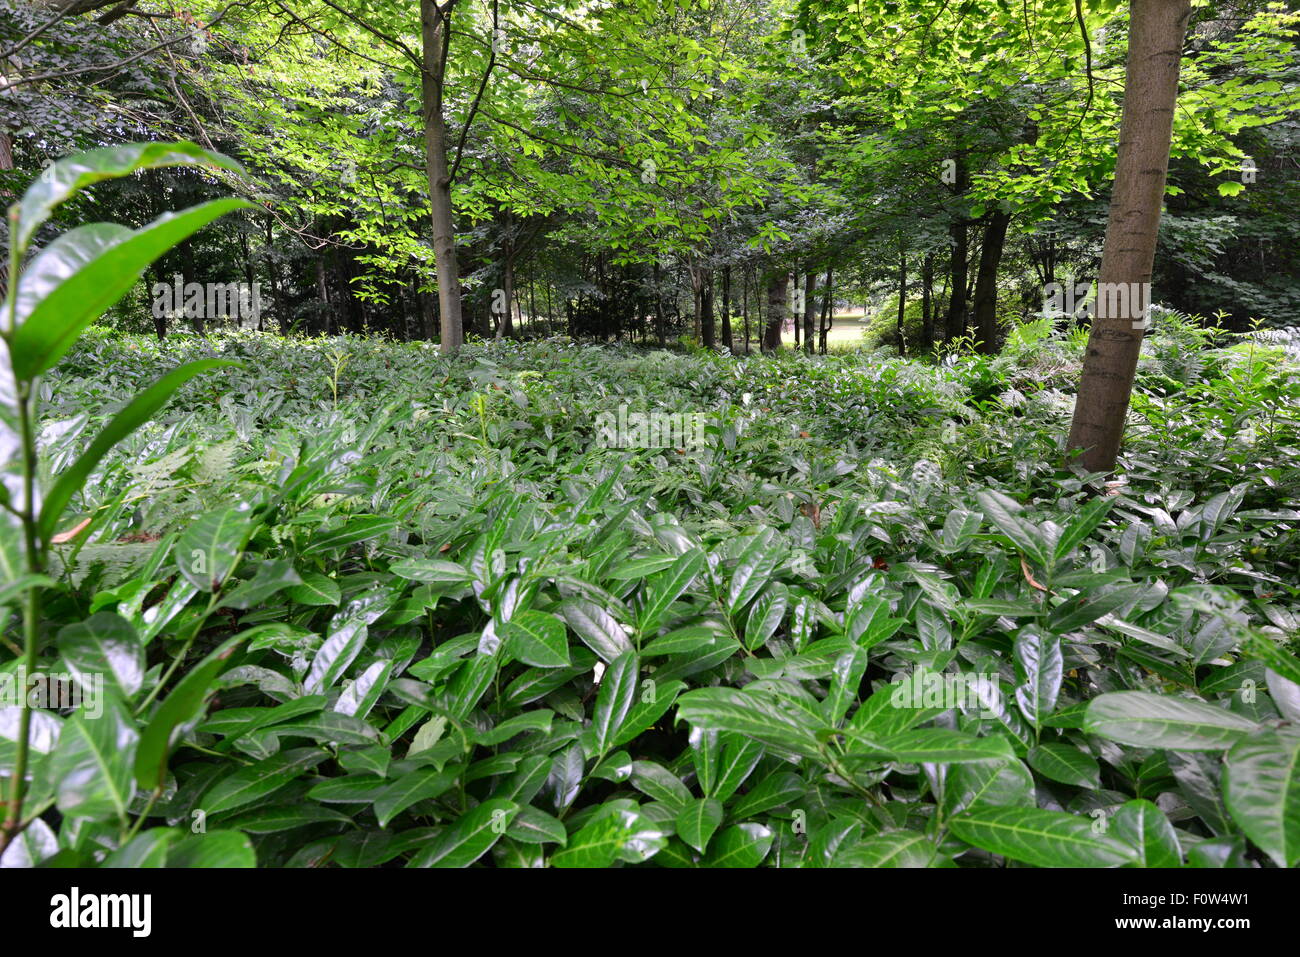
986	283
435	37
1156	31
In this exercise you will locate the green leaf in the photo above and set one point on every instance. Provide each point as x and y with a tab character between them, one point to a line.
758	560
1040	659
651	705
70	282
148	849
272	576
411	788
755	716
431	570
1147	720
104	645
91	764
938	746
213	849
261	779
470	837
344	639
890	849
665	588
698	820
1041	838
597	628
358	528
182	705
209	549
538	638
1143	825
614	700
275	820
316	589
140	410
533	826
69	176
1008	784
1065	763
595	846
741	845
328	728
1004	511
766	615
1083	524
1261	787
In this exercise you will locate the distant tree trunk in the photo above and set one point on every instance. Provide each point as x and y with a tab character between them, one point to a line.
708	335
355	311
927	297
160	316
1156	32
660	332
986	284
435	37
744	305
828	308
726	309
506	325
902	298
778	291
273	273
424	303
323	294
809	310
958	232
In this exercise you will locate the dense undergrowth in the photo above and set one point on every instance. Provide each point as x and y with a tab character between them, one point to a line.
873	620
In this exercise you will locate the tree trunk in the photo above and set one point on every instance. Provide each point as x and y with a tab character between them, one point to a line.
744	305
435	38
778	291
986	283
505	323
1156	31
809	310
707	332
726	309
955	321
322	293
902	298
828	308
660	332
927	303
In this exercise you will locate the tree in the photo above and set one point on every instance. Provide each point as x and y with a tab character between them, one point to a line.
1156	31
